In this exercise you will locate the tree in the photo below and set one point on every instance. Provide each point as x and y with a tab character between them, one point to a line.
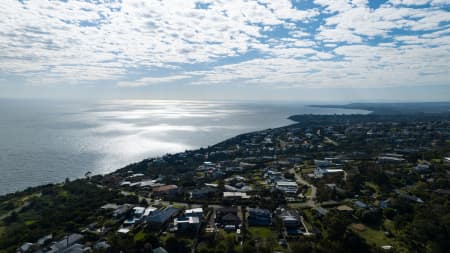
174	245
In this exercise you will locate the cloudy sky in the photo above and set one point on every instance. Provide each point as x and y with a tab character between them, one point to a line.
232	49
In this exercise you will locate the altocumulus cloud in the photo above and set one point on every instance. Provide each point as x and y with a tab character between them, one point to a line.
317	43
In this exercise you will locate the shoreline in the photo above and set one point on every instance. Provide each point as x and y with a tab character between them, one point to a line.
293	122
291	118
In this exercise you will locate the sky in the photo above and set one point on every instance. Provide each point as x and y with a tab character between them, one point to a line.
309	50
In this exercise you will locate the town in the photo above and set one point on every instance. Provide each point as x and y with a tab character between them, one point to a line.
328	183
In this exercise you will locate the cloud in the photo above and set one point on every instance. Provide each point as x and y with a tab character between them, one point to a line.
152	81
315	43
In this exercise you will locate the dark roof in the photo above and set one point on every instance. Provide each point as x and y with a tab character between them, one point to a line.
230	217
258	211
443	191
164	188
321	210
228	209
162	216
159	250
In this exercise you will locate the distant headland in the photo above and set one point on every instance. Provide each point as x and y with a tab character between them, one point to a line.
395	108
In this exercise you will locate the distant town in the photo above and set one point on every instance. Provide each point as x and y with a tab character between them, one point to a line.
328	183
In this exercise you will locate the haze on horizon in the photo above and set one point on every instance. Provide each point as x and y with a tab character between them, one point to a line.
309	50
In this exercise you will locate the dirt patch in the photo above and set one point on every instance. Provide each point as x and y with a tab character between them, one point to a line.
359	227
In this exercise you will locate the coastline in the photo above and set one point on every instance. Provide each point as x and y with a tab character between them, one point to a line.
386	109
93	139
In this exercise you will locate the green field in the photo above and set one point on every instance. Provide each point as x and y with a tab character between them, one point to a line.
378	238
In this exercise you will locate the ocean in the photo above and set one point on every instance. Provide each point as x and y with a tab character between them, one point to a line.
48	141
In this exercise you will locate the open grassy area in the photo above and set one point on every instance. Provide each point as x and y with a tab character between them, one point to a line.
308	192
373	186
261	232
2	230
266	236
376	237
308	169
139	236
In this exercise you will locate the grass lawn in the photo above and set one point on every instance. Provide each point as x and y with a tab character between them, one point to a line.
166	236
262	232
139	236
376	237
30	222
373	186
266	236
308	192
2	230
307	170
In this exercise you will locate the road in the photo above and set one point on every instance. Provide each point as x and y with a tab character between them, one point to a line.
151	201
311	199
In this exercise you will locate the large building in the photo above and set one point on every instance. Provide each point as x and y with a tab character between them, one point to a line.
160	218
187	224
288	187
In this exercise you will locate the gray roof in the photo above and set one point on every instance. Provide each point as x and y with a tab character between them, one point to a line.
162	216
65	243
159	250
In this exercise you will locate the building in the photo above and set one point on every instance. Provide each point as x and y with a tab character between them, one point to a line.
121	210
149	210
195	212
159	250
235	195
446	160
320	212
25	247
321	172
165	190
187	224
138	211
259	217
291	222
390	158
228	216
422	168
159	218
361	205
68	244
288	187
344	209
202	193
323	163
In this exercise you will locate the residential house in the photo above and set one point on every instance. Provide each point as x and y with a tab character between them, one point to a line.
202	193
320	212
159	218
291	222
344	209
228	216
288	187
187	224
68	244
165	190
259	217
235	195
195	212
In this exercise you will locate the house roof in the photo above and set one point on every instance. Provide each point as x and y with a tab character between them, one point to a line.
321	210
159	250
194	210
259	211
344	208
164	188
162	216
110	206
190	220
227	209
230	217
